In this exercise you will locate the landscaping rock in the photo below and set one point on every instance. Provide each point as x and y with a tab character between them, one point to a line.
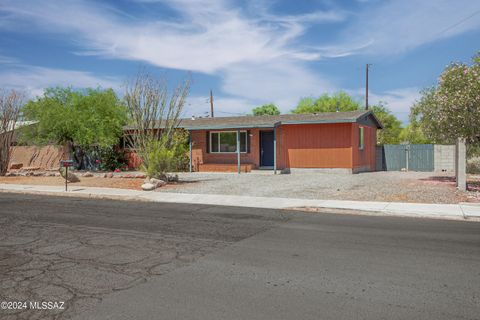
148	187
140	176
109	175
172	177
38	174
72	177
10	174
87	174
157	182
16	166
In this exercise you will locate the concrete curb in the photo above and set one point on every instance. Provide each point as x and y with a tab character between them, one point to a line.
461	211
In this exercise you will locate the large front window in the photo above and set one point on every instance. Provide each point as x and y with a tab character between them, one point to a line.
226	141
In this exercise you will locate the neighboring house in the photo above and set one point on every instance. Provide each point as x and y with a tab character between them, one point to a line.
330	140
18	125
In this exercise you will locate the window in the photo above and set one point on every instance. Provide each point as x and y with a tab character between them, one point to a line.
226	142
360	138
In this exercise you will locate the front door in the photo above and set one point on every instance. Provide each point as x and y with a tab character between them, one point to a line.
266	148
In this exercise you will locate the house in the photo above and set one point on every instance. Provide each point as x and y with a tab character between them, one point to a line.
344	141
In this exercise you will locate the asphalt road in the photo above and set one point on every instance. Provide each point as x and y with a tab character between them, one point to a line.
135	260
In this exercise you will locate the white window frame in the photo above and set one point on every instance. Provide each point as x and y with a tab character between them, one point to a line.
361	138
227	152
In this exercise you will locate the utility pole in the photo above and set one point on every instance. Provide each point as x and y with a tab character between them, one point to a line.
366	86
211	103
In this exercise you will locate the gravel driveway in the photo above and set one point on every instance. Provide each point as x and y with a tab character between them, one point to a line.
426	187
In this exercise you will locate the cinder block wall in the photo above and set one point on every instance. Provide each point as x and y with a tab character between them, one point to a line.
444	158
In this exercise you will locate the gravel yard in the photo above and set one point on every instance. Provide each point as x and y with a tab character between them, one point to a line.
424	187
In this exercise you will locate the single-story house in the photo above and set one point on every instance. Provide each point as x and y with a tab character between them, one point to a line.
332	140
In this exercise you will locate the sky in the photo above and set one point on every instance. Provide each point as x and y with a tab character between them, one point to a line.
247	52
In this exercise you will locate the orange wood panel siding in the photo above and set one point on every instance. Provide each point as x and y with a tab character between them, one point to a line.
200	155
364	159
317	145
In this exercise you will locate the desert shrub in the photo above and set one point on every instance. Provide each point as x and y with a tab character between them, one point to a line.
473	166
165	156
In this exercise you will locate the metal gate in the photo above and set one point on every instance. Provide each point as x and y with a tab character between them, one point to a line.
413	157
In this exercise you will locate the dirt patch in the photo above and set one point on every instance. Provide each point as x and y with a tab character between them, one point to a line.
133	184
120	183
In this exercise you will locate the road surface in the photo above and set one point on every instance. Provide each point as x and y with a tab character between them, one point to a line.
135	260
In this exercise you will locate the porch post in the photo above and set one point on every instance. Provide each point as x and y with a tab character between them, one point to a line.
190	145
238	151
275	149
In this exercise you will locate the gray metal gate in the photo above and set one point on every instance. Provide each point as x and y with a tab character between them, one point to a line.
413	157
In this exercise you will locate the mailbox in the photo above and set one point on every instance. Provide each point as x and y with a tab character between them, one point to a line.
66	163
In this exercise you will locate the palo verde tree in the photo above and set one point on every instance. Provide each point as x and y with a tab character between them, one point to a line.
266	110
154	115
339	101
10	106
450	109
82	120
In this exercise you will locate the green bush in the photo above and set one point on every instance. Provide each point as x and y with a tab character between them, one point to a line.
165	157
112	158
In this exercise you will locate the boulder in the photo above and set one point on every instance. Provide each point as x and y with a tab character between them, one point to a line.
157	182
148	186
87	174
109	175
16	166
140	176
38	174
72	177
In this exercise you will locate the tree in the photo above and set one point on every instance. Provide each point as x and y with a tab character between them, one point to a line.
79	118
10	105
266	110
154	117
340	101
450	109
413	134
392	127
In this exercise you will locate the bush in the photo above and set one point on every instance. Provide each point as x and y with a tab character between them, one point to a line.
473	166
164	157
112	158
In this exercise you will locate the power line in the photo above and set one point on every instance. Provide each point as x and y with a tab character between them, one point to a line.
458	23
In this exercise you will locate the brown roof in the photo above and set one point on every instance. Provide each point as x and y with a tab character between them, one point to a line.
270	121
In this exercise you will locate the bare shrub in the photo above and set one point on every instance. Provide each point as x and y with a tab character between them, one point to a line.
154	118
10	104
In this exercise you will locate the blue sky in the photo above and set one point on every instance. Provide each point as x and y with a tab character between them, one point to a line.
247	52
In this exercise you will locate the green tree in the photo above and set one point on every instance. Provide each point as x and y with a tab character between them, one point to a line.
413	134
392	127
266	110
327	103
81	118
450	109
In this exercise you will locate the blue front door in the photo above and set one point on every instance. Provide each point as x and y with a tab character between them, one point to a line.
266	148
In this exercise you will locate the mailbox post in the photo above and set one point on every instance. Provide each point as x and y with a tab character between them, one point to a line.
66	164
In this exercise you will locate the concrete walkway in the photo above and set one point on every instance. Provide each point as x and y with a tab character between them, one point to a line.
459	211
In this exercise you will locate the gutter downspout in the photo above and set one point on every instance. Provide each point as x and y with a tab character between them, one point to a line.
238	151
190	145
275	147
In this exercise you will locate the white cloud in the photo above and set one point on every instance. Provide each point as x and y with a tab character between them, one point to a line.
395	27
199	106
399	101
33	79
279	81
